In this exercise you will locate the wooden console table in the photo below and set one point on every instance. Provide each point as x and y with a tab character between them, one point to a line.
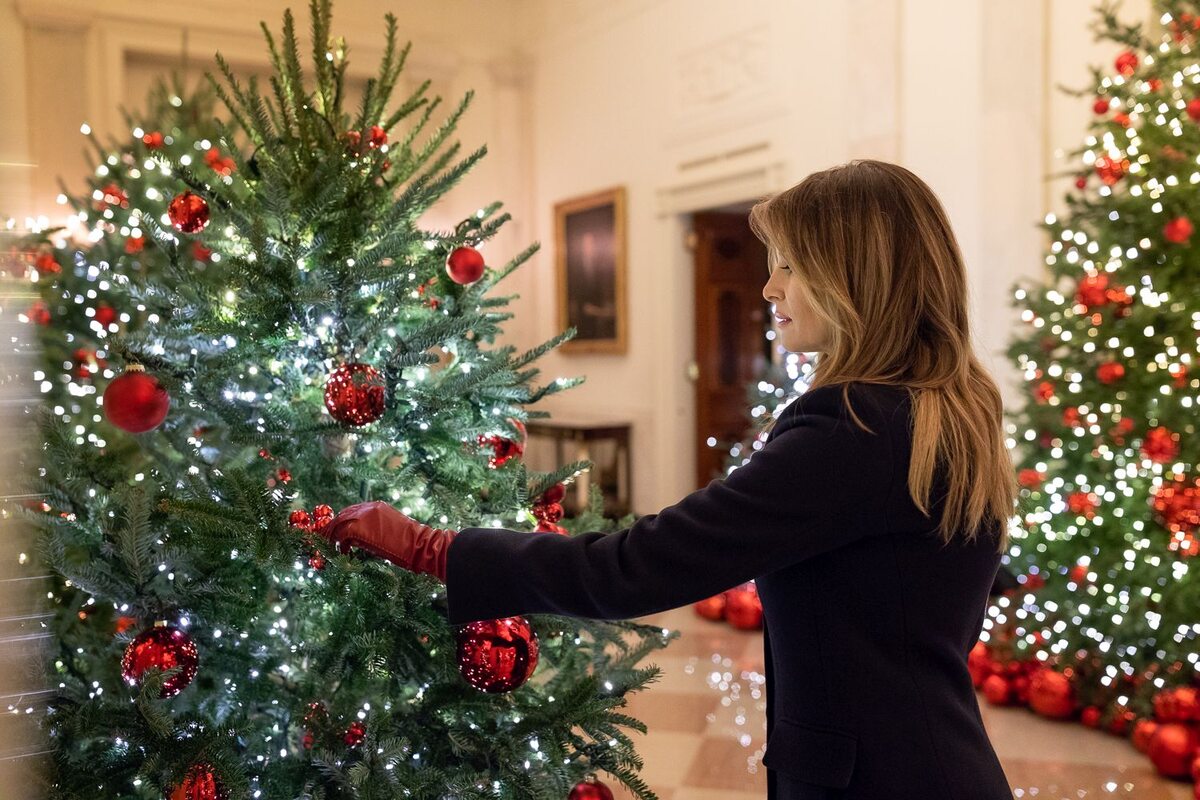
583	433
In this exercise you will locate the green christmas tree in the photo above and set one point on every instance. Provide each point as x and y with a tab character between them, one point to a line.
1108	612
334	351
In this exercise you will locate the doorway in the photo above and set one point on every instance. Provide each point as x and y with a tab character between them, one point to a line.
732	320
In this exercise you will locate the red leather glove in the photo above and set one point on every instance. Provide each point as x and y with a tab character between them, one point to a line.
382	531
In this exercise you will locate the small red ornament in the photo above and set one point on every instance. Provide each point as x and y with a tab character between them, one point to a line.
554	494
1178	230
549	512
1160	445
1043	391
47	264
980	664
1193	109
112	195
135	401
1079	573
1050	694
1121	720
354	394
1091	291
1127	63
1090	717
1110	372
1101	105
1154	84
1083	503
1178	505
997	690
1030	478
201	783
743	608
200	252
550	527
316	561
497	655
1143	731
1172	747
1180	373
322	515
1070	416
1081	182
135	245
465	265
502	449
188	212
161	647
355	733
300	519
105	314
38	313
711	607
376	137
1111	170
153	140
222	165
123	624
1122	119
590	789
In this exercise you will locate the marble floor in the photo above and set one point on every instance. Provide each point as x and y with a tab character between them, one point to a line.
707	725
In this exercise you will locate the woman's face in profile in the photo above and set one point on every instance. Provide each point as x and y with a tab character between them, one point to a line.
799	329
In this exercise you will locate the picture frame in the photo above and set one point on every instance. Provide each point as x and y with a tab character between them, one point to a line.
590	261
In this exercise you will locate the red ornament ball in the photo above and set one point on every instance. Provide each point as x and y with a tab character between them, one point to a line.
354	394
1090	717
1143	731
1101	105
1161	445
1193	109
1051	695
548	512
1178	506
200	783
188	212
355	733
162	647
980	664
1030	478
135	401
153	140
497	655
1081	182
1083	503
590	789
743	609
1127	63
1092	290
1178	704
105	314
465	265
711	607
1173	745
1110	372
1178	230
997	690
554	494
1110	170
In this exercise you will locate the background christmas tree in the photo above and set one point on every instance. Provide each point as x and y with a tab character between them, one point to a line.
332	351
1105	623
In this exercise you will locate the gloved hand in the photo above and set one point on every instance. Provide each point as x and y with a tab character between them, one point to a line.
382	531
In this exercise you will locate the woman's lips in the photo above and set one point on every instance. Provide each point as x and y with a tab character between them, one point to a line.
782	320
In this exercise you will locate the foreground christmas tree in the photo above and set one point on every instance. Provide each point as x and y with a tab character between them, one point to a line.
1106	624
333	351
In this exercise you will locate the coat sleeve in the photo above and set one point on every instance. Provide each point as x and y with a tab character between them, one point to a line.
819	483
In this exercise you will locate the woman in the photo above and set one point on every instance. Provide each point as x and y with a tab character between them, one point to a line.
873	519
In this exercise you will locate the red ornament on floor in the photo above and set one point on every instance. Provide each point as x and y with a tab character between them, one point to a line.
135	401
743	609
465	265
997	690
711	607
1172	748
497	655
590	789
162	647
354	394
200	783
188	212
1051	695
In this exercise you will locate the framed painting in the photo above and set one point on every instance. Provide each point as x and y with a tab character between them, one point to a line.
590	261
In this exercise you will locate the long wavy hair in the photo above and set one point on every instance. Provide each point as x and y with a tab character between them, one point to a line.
876	259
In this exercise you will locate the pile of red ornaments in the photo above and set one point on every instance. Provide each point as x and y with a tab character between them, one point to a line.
739	606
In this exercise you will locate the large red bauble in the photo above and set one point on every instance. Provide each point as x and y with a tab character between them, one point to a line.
200	783
1090	716
1050	694
743	609
980	664
1127	63
997	690
1178	230
465	265
161	647
711	607
1143	732
497	655
591	789
1172	748
135	401
354	394
188	212
1177	704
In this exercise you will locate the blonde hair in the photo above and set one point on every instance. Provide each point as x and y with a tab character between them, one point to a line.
881	268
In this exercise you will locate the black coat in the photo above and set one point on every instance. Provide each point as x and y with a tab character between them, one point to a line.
867	618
